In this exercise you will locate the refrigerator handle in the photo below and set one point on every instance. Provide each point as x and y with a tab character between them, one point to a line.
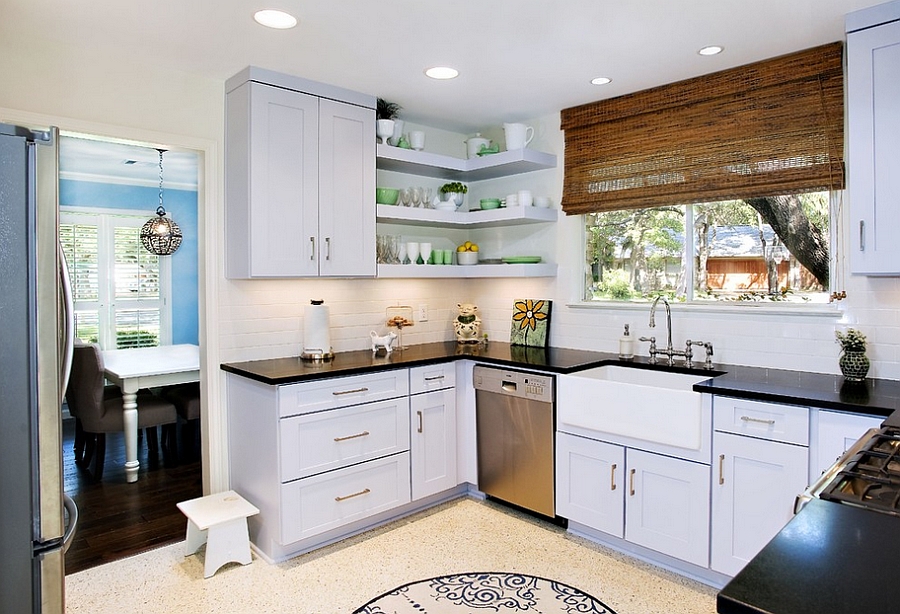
67	323
72	511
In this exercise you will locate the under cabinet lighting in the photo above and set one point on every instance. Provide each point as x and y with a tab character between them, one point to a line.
442	72
711	50
600	80
273	18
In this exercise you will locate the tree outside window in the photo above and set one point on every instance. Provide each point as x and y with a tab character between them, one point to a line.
760	249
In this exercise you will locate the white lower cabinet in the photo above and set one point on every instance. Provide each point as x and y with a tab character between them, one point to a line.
760	465
833	433
655	501
667	505
433	431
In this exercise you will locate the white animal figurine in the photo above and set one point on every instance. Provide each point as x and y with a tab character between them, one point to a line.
384	341
467	324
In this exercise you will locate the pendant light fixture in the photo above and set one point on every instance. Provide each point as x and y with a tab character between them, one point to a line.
161	235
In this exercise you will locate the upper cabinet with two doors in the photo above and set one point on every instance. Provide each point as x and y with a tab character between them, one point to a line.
300	178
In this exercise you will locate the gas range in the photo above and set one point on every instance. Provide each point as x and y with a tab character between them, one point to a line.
870	478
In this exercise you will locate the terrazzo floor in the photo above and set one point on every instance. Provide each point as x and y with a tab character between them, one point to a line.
459	536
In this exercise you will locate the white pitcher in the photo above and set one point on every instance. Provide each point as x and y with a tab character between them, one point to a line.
517	136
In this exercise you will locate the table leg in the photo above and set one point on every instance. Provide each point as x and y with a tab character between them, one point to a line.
130	415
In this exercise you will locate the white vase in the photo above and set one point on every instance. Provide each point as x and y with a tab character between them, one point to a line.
384	128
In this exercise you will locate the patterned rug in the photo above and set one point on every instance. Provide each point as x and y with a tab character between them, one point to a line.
485	592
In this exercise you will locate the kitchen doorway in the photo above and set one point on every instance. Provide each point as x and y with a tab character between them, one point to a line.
108	188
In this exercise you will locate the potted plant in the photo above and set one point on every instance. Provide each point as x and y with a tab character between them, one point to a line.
853	361
454	191
386	122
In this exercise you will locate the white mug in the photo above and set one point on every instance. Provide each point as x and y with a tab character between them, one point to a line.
525	198
512	200
417	140
517	136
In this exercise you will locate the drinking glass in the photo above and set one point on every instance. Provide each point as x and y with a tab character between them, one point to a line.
404	197
425	251
412	251
427	195
415	196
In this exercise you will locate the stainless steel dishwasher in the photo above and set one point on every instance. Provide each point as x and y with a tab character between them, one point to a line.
515	421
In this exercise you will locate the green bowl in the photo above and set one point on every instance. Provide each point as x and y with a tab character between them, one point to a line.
489	203
386	196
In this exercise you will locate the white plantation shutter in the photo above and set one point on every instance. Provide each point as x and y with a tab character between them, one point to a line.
117	285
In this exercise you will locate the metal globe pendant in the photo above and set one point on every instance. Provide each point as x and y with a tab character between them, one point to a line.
161	235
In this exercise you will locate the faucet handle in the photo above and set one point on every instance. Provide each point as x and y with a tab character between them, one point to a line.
652	341
709	354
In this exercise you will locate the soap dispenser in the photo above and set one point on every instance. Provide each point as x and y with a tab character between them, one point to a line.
626	345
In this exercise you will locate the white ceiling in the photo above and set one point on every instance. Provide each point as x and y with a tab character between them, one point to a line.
518	59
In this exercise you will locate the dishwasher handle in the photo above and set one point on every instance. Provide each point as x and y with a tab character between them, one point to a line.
508	385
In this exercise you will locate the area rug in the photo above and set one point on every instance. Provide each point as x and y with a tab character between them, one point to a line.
485	592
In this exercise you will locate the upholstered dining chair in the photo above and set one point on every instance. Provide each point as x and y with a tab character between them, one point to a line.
98	409
186	398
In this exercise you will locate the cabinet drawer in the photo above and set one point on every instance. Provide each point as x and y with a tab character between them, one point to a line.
773	421
432	377
329	500
337	392
326	440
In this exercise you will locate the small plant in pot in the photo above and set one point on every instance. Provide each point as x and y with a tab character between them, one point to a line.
454	191
386	121
853	361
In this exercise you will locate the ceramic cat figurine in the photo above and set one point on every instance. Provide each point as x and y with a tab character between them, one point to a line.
467	324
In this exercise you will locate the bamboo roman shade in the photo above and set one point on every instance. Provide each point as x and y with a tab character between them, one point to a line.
764	129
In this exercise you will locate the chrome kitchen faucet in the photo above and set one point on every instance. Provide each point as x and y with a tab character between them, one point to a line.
670	352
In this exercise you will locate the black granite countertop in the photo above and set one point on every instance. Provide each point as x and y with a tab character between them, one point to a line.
830	558
875	397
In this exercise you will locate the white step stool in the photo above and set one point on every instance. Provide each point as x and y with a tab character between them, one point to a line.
220	521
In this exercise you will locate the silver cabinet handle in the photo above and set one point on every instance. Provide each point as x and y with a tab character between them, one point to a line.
364	491
312	251
419	414
612	477
757	420
434	377
721	469
354	391
862	235
631	484
327	248
357	436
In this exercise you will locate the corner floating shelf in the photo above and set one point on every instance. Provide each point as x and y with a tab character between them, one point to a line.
427	164
491	218
436	271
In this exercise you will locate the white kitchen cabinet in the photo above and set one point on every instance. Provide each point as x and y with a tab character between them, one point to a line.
873	121
300	180
589	483
832	434
754	487
432	423
667	505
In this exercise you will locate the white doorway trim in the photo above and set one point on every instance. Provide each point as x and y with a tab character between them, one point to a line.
213	417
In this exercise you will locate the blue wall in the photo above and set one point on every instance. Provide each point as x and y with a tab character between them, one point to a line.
181	205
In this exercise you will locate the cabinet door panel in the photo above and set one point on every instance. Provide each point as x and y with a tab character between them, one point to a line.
589	487
346	190
284	167
835	433
753	495
873	94
433	442
667	506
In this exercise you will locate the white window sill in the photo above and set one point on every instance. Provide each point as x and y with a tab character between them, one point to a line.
799	310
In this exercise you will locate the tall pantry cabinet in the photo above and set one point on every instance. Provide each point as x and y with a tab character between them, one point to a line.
300	178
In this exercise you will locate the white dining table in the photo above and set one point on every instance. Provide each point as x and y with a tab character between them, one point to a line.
136	368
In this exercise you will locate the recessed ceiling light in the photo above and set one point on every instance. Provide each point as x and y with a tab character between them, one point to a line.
601	80
273	18
442	72
711	50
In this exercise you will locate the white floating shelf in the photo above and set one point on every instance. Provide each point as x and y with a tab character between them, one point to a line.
442	271
491	166
490	218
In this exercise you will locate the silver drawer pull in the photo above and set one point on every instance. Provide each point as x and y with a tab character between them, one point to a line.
757	420
340	392
631	483
365	491
721	469
363	434
612	477
434	377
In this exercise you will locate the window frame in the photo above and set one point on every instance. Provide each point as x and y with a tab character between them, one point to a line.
105	218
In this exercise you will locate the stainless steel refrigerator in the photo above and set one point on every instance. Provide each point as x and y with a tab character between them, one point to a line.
37	520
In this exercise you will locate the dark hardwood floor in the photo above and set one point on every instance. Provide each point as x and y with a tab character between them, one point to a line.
118	519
